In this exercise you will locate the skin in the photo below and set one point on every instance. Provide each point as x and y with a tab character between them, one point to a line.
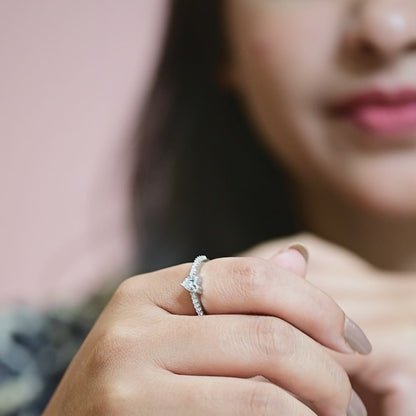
290	61
383	302
147	356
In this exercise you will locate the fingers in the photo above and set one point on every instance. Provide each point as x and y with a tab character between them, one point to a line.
223	396
260	287
294	259
256	286
246	346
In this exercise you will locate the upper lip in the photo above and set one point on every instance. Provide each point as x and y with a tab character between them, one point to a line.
381	97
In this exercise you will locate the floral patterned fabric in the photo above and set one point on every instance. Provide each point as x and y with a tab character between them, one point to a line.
35	349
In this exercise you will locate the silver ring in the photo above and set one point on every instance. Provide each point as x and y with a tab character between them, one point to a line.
192	283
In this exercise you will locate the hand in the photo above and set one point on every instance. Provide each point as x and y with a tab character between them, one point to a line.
148	353
384	304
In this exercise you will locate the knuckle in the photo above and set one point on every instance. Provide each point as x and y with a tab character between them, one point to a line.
109	348
248	275
262	399
273	337
339	387
125	290
340	378
108	404
129	292
114	398
345	383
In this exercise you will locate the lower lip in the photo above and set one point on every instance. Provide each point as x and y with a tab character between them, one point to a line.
389	122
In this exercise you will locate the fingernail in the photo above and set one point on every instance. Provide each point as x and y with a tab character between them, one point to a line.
355	337
356	407
302	250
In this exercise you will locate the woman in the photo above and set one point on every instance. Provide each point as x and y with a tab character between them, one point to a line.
268	118
328	90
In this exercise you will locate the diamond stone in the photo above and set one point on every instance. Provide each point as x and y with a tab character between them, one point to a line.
191	283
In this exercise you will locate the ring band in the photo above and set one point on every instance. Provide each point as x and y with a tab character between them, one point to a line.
192	283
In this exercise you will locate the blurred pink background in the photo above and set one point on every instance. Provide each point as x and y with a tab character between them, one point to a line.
73	77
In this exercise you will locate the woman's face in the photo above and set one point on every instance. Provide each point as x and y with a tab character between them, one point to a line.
331	87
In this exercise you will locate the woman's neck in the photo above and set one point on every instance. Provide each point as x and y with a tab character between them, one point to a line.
387	243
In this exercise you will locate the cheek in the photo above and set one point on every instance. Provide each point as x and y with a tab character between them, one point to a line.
284	65
281	77
286	45
280	58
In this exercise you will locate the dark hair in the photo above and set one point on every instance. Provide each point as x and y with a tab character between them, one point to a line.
203	183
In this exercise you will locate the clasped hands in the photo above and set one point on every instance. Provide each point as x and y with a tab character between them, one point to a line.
272	342
384	305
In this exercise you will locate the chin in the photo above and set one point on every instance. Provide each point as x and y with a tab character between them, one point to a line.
385	199
380	184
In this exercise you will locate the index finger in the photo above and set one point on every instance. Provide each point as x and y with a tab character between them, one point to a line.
260	287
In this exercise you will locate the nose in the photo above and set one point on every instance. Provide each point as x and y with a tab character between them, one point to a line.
382	29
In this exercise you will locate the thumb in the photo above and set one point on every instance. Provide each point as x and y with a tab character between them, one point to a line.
294	258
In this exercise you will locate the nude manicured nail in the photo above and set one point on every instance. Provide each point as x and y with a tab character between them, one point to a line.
355	337
356	407
302	250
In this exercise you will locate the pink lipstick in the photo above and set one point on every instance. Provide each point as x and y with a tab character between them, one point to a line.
391	116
